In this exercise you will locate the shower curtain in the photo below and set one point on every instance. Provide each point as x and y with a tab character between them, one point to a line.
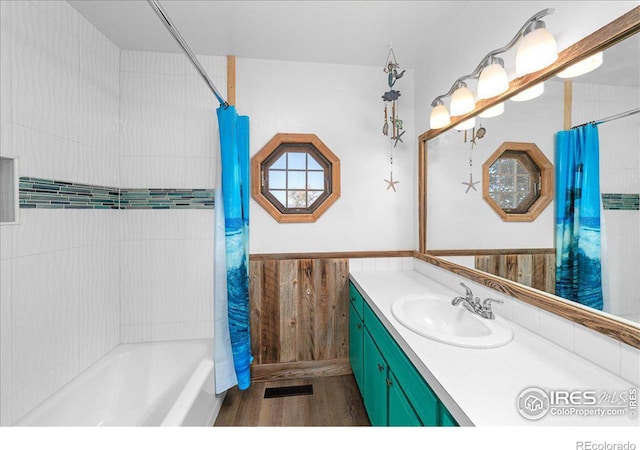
578	246
231	304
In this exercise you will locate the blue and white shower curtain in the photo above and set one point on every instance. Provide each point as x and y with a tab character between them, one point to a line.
232	334
578	245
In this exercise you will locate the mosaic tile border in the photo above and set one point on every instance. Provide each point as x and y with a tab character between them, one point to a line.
54	194
627	202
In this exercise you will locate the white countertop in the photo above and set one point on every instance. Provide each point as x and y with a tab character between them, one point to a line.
481	386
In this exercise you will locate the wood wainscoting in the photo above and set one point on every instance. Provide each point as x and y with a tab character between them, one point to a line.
300	313
533	267
299	317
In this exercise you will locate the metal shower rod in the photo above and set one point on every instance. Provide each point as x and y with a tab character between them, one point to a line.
164	18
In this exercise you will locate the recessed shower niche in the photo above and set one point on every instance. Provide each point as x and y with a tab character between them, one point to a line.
8	190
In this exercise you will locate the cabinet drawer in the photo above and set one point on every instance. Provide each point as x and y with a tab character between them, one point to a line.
422	398
356	299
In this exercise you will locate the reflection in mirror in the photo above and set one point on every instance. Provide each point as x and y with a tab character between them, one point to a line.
473	227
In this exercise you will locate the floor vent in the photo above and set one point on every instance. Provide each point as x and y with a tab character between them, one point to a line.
288	391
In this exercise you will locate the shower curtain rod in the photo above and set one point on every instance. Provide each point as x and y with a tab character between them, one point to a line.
610	118
164	18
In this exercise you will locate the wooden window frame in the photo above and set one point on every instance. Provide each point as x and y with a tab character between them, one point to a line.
529	154
283	143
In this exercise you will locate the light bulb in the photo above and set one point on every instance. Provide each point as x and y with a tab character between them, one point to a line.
494	111
537	50
581	67
439	117
462	101
529	94
466	125
493	81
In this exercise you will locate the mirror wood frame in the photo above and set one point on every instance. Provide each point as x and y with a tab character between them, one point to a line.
621	28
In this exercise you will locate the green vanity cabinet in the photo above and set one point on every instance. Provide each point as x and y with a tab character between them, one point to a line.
394	392
356	344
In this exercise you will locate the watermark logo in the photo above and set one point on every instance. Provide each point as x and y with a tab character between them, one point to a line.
534	403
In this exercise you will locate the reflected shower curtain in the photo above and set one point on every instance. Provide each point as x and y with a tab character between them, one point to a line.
232	338
578	250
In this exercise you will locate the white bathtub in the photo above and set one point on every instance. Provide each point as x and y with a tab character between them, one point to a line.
151	384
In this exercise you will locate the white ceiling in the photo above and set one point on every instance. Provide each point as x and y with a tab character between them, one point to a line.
341	32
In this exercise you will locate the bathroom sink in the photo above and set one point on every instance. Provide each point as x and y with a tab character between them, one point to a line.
434	316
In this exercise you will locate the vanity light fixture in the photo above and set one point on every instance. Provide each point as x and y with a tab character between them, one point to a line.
439	116
494	111
587	65
537	50
529	94
462	100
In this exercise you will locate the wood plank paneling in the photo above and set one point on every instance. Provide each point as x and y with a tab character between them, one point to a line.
299	310
536	270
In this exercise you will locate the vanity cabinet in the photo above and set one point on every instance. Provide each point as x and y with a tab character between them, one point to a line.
394	392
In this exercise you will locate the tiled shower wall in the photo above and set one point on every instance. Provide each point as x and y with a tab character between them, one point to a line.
59	82
77	282
619	174
169	135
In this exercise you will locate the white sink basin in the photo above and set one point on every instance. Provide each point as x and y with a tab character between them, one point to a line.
434	316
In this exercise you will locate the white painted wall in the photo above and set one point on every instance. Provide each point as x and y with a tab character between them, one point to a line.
342	105
59	308
460	220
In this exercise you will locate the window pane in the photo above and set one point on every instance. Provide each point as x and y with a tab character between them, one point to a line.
281	163
313	164
281	196
316	180
297	179
312	196
277	179
296	199
297	161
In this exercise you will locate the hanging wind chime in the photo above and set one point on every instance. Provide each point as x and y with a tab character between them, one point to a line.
475	135
392	122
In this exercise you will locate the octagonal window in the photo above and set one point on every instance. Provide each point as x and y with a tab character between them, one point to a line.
518	181
298	177
514	181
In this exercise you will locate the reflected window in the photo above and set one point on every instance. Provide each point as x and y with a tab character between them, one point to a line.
299	177
517	181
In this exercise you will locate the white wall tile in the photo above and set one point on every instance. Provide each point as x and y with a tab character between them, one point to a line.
199	223
381	264
368	264
526	315
130	286
630	363
199	173
162	224
5	61
5	330
44	314
557	329
44	69
407	263
598	348
197	298
162	172
355	265
153	62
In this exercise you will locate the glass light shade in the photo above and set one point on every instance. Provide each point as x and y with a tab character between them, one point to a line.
493	81
466	125
529	94
582	67
494	111
537	50
439	117
462	101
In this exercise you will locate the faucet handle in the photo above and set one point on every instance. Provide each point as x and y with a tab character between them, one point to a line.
469	292
486	303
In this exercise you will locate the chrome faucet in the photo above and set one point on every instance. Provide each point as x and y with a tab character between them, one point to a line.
474	305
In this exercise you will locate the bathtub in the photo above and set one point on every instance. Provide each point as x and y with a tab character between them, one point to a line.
152	384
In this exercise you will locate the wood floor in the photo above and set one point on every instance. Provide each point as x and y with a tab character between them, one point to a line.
335	401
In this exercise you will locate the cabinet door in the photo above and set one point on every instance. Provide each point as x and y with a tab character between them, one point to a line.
375	383
401	414
356	345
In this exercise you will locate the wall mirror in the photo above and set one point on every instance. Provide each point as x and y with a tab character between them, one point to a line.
537	121
517	181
